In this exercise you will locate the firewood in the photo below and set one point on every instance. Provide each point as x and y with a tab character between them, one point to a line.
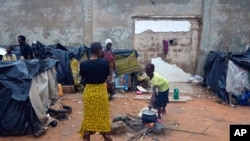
138	135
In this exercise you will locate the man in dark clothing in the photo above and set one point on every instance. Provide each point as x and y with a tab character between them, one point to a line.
25	49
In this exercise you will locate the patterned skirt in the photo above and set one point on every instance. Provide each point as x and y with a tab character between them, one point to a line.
96	113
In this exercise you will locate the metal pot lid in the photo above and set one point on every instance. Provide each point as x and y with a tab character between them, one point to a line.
149	112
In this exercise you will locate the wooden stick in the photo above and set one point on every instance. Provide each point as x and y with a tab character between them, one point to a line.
139	134
132	116
187	131
171	125
205	130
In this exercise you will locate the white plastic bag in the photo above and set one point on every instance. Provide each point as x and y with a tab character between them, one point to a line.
195	79
237	79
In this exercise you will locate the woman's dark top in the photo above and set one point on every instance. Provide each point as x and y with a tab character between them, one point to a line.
94	71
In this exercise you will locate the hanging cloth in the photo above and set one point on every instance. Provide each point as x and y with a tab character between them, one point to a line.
165	46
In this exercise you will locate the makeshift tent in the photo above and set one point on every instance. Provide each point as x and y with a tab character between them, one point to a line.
126	61
127	68
81	53
216	71
68	67
27	89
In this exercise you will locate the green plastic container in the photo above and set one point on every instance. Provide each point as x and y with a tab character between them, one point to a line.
176	94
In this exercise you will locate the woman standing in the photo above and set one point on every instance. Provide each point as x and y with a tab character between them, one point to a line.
108	54
96	113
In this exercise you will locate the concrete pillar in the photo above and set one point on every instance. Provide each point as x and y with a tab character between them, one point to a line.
205	36
87	21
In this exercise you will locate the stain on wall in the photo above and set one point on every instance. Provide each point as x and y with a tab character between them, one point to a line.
225	24
113	16
47	21
111	21
234	15
118	35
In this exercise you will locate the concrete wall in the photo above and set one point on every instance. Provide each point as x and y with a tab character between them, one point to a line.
113	19
226	23
74	22
50	21
183	52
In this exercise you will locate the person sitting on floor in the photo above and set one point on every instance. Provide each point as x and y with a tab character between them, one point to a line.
9	56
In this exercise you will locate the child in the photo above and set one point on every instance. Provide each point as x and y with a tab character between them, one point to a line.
161	83
9	56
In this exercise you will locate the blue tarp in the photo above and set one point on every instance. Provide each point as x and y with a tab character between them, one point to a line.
17	75
63	53
17	116
215	73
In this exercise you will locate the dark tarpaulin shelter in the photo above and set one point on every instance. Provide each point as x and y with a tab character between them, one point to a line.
64	73
64	54
17	117
215	70
242	60
78	52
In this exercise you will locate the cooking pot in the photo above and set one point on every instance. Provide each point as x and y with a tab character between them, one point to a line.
149	116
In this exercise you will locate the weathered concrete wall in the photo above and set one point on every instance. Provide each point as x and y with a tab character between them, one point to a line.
183	52
113	19
226	23
50	21
74	22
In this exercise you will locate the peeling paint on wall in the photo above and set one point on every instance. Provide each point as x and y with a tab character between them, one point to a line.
162	26
171	72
